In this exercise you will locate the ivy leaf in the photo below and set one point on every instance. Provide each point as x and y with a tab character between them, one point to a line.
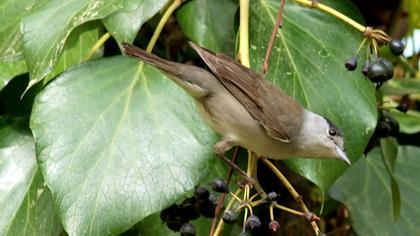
124	25
46	29
308	63
202	22
136	145
26	201
365	191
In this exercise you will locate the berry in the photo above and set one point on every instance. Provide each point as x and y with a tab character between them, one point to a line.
389	66
396	47
387	126
366	67
272	196
174	222
351	63
201	193
380	71
165	213
393	123
274	226
383	129
188	229
208	206
189	209
229	216
219	185
252	222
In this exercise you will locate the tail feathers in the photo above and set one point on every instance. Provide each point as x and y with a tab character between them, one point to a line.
151	59
186	76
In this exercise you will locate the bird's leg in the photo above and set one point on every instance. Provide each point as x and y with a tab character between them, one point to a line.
221	147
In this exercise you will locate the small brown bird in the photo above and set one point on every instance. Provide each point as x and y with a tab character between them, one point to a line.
249	110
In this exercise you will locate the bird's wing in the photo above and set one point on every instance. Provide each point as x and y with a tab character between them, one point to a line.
257	95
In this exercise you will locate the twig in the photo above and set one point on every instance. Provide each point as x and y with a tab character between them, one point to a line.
292	191
278	24
98	44
244	33
162	23
217	211
368	32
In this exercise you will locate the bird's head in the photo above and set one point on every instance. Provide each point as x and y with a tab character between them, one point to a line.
320	138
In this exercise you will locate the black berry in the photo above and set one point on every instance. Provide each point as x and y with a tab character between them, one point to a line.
208	206
393	123
172	210
396	47
201	193
174	222
189	209
351	63
366	67
219	185
380	71
389	67
188	229
387	126
252	222
229	216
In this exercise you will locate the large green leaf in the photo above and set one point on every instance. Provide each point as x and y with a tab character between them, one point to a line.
45	30
365	190
209	23
26	203
124	25
308	63
116	142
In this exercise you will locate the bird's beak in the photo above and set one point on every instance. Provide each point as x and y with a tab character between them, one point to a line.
342	155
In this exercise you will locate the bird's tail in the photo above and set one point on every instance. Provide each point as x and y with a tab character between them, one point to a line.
186	76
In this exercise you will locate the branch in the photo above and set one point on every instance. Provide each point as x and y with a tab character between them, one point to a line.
278	24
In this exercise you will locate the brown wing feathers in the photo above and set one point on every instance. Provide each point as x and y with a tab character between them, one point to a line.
276	113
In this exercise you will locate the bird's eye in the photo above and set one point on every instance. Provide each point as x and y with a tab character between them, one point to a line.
332	132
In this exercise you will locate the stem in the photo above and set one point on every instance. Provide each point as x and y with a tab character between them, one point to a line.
335	13
244	33
292	191
278	206
278	24
97	45
271	212
162	23
222	196
361	45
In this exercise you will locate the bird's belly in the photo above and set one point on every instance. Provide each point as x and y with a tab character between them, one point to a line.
231	119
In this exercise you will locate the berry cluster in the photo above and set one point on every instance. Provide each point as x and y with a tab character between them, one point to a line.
178	217
377	69
252	222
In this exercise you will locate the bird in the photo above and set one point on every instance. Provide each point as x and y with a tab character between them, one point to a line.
247	110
